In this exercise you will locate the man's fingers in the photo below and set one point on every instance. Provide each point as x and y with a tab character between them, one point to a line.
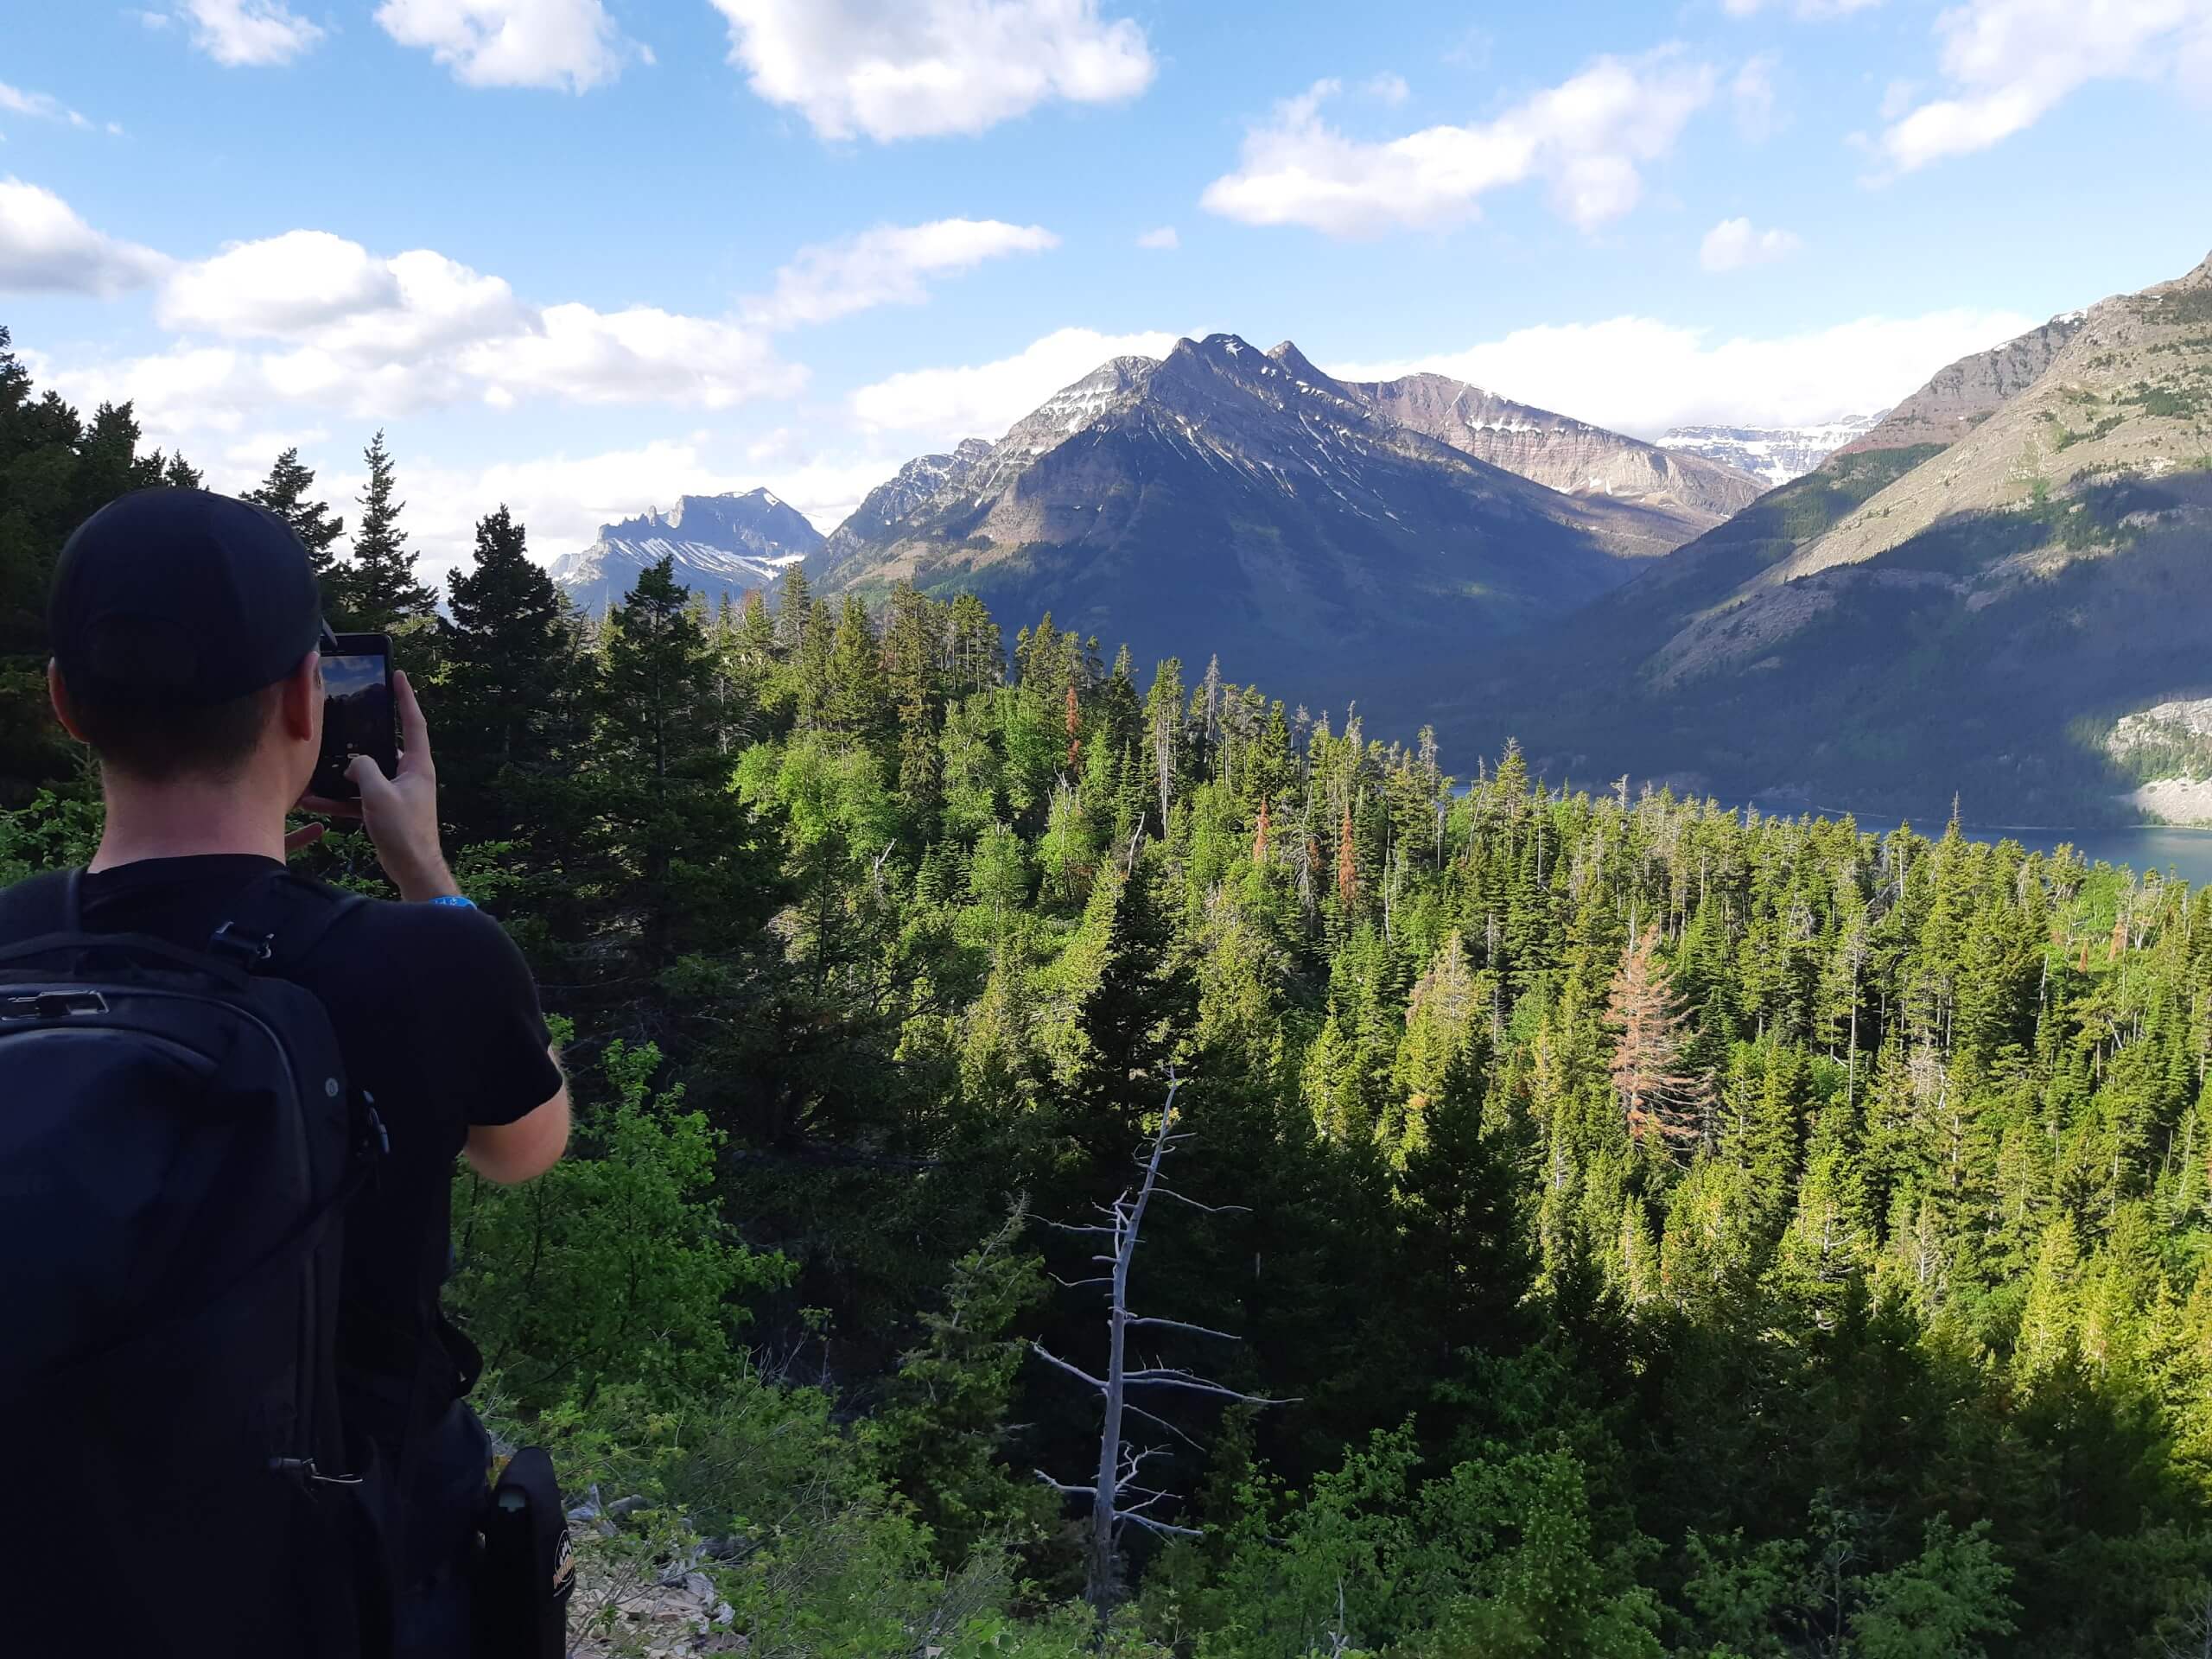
363	773
323	806
298	839
414	730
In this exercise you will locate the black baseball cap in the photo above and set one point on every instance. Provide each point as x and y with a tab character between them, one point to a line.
182	598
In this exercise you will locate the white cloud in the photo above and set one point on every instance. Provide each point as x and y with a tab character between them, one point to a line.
1162	239
824	488
39	106
984	399
557	43
1732	244
1587	138
1810	10
278	287
639	355
1389	87
1642	376
248	32
888	266
46	248
2011	62
311	319
915	68
1752	93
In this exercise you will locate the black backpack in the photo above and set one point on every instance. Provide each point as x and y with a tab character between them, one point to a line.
177	1147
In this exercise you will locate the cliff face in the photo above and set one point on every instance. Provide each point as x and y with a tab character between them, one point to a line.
1560	453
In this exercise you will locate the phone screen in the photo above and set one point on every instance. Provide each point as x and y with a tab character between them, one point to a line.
356	712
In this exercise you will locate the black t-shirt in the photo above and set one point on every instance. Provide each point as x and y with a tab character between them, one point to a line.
438	1021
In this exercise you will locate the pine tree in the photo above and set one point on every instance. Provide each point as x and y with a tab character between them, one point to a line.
285	493
658	674
380	588
757	648
858	703
504	678
1138	1004
794	605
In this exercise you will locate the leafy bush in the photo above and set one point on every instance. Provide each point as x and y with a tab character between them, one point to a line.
615	1265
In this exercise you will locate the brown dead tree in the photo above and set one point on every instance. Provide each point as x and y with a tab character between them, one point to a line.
1658	1095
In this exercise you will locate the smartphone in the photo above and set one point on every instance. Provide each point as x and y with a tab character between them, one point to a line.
358	716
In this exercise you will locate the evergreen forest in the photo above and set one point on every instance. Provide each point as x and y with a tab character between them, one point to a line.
1586	1224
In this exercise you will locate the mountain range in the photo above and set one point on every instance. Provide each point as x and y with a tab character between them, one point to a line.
724	545
2000	585
1350	537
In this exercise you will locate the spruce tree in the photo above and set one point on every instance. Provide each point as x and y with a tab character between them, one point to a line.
858	704
506	665
659	676
381	591
285	493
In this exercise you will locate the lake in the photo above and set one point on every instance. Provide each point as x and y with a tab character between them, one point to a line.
2142	847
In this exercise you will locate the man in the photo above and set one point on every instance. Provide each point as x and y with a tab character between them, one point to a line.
185	630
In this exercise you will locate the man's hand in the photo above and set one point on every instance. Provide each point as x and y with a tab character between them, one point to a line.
400	813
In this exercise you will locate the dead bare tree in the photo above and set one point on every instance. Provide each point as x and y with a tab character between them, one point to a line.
1650	1073
1118	1499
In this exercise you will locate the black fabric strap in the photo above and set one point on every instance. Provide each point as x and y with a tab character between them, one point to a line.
40	906
278	923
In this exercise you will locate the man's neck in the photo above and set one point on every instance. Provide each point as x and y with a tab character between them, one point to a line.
185	819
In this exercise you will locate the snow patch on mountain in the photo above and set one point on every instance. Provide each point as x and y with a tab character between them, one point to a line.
1773	454
721	546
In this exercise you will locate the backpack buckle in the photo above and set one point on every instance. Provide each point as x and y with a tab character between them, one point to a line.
248	948
303	1469
52	1005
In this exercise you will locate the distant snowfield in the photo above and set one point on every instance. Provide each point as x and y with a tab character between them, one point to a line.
1775	454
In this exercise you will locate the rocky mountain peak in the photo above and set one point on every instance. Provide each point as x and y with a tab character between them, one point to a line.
1293	362
1964	394
1560	453
721	546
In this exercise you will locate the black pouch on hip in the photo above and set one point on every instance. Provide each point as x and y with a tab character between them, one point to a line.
527	1571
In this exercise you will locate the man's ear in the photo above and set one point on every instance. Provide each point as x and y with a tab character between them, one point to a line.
57	695
301	704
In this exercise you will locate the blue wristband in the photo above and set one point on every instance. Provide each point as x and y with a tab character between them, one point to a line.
458	900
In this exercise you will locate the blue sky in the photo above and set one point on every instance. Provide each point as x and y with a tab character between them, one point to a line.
582	255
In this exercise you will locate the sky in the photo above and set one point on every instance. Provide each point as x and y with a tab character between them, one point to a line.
582	257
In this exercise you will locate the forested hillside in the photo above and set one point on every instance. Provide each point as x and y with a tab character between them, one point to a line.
1603	1226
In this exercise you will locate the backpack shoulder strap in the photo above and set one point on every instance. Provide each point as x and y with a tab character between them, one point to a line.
43	905
276	923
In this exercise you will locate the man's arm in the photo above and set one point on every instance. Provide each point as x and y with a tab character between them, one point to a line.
524	1149
401	815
